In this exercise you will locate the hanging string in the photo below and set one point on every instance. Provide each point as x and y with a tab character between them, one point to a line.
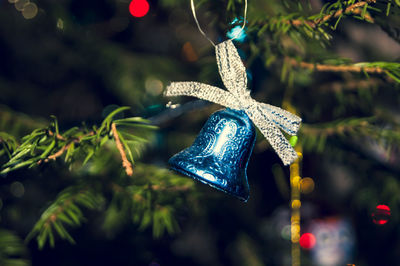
202	32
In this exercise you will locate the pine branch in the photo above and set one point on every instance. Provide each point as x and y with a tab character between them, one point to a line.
315	27
8	144
354	9
18	124
314	137
12	250
64	211
125	163
336	127
45	144
338	86
149	202
150	199
392	70
335	68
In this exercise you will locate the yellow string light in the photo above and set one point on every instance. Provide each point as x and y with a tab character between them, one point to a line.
295	181
295	185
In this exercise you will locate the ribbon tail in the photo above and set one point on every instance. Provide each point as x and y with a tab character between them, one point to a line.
285	120
277	140
201	91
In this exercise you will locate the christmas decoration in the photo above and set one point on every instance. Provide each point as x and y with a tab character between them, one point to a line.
219	155
139	8
266	117
237	32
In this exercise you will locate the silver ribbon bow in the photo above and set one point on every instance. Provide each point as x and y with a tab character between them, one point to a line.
267	118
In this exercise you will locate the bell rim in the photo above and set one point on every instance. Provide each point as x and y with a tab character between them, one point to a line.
206	182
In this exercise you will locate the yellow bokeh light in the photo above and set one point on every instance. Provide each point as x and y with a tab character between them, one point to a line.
295	230
296	204
60	24
12	1
20	4
30	11
17	189
294	167
154	86
307	185
295	181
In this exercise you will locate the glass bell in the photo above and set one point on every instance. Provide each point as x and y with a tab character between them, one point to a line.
219	155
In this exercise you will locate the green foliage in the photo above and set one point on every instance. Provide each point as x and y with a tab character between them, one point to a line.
8	144
12	250
18	124
149	200
314	27
65	211
141	199
292	34
75	144
392	69
314	137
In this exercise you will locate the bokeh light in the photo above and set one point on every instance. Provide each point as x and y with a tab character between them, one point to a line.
335	241
381	214
172	105
307	241
153	86
296	204
296	179
189	53
237	33
60	24
307	185
139	8
20	4
295	231
17	189
30	10
285	232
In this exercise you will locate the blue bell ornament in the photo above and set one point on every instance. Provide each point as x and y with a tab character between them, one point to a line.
220	154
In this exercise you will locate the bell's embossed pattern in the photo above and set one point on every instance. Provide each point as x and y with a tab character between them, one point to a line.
220	154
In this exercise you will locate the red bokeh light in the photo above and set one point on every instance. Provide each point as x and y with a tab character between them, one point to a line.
139	8
381	214
307	241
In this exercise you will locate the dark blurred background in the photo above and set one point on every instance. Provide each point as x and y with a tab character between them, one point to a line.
73	59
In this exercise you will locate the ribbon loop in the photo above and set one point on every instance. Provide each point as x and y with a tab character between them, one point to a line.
266	117
231	68
202	91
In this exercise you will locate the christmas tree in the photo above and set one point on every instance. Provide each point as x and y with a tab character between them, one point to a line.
86	133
